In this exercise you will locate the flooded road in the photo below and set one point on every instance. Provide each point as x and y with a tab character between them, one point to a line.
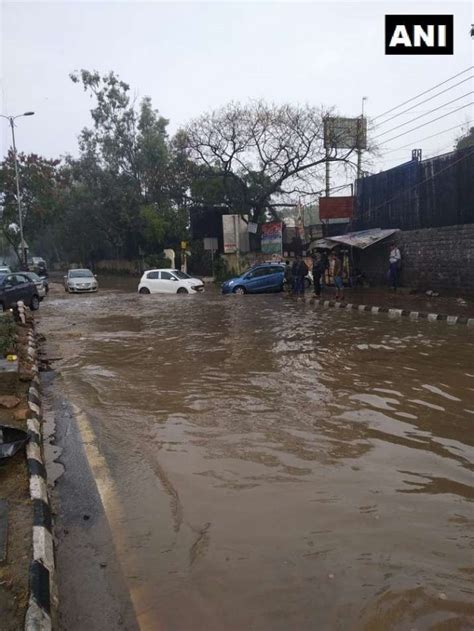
251	463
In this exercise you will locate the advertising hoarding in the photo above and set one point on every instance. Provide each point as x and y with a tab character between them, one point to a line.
272	237
336	207
345	133
235	233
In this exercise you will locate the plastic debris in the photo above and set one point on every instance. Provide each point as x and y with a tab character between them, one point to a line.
11	440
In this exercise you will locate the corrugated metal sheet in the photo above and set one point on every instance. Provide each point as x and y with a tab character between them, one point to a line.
430	193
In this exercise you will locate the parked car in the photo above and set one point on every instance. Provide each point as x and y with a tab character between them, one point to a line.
15	287
4	269
38	281
263	278
169	281
80	281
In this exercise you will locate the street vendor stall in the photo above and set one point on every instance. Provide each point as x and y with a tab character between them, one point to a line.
360	240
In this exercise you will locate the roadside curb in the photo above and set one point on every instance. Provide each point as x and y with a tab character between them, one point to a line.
396	313
42	567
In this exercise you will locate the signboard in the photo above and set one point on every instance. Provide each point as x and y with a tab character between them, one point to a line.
235	233
272	237
345	133
336	207
211	243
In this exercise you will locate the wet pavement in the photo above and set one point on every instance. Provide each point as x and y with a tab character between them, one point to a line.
247	462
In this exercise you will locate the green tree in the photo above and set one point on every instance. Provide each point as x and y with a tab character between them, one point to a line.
41	189
465	141
127	161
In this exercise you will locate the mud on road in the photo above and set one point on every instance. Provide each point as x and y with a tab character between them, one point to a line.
252	463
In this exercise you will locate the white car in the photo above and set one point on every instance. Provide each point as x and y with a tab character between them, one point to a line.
169	281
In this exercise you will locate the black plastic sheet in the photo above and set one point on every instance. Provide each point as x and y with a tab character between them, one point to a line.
11	441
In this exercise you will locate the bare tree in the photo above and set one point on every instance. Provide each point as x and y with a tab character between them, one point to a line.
265	155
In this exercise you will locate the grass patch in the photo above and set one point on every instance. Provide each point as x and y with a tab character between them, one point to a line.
7	335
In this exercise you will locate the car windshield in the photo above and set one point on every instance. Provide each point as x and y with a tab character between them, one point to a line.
180	274
80	273
32	276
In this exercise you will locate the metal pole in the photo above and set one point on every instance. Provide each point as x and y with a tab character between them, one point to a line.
328	175
18	195
359	140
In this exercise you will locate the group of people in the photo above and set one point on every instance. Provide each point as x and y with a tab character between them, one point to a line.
296	273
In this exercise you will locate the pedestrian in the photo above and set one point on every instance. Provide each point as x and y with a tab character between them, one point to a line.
299	271
319	267
288	278
395	261
336	272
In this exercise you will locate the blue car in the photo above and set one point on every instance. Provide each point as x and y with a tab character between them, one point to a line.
263	278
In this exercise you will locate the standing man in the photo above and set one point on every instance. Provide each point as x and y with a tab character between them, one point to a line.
319	268
299	271
336	271
395	261
288	278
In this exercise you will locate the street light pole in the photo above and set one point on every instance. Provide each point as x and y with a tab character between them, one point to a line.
11	120
359	141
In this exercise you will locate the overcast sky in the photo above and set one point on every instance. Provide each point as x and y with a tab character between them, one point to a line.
190	57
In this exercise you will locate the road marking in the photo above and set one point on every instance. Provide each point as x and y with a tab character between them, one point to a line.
116	517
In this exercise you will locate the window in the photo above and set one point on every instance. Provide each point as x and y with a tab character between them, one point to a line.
275	269
81	273
166	276
153	275
261	271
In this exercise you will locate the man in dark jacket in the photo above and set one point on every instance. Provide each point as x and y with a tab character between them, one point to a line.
299	271
319	268
288	278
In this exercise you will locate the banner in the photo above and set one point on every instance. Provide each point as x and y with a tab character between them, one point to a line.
272	237
235	233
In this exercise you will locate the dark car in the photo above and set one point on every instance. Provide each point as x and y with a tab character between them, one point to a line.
15	287
262	278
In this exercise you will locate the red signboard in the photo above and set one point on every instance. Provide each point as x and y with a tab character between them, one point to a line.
336	207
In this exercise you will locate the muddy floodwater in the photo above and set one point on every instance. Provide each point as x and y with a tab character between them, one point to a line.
261	464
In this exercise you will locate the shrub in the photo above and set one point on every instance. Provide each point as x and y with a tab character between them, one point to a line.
7	334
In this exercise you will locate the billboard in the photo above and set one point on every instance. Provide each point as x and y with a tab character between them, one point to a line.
345	133
272	237
336	207
235	233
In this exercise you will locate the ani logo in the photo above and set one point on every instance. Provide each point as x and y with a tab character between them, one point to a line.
419	34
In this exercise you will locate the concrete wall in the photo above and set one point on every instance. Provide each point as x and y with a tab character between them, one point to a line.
433	258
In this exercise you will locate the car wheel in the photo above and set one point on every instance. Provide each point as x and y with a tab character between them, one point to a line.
144	290
240	291
35	303
182	290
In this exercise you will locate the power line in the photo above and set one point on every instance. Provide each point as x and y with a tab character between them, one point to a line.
411	144
425	101
423	93
429	122
422	115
